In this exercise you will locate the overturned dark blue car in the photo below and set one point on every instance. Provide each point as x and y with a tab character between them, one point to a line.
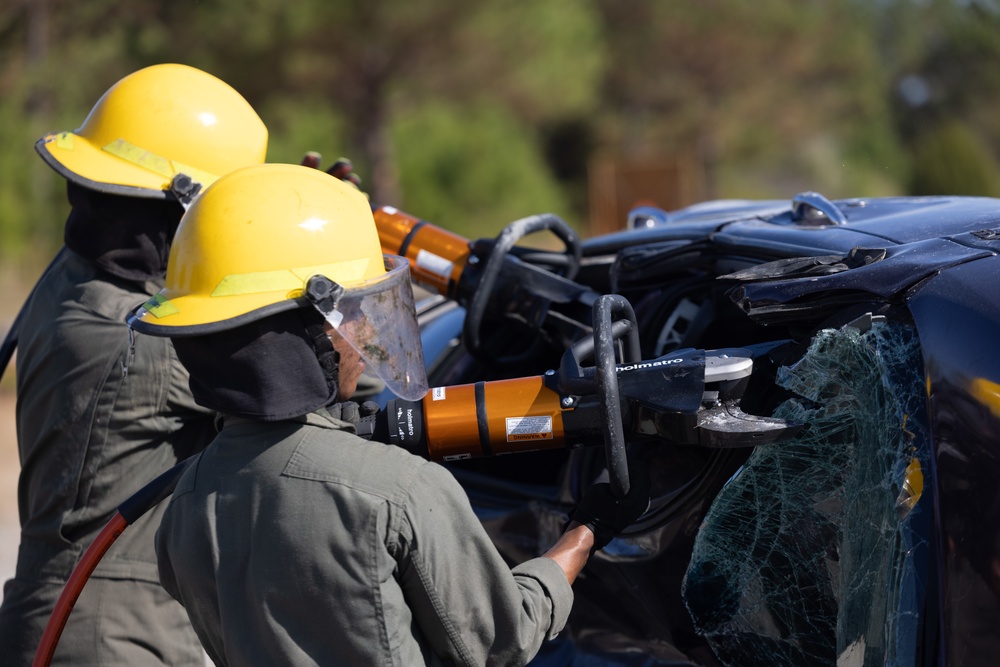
813	386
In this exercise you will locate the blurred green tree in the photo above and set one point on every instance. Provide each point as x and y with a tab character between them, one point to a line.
483	112
766	86
56	58
327	75
374	63
472	170
954	160
946	90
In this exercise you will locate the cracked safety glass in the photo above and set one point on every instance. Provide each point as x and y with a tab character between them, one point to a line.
813	553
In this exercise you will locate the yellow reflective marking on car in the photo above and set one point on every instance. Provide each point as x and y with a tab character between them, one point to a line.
987	393
914	480
912	489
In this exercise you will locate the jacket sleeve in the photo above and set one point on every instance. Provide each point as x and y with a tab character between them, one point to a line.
468	603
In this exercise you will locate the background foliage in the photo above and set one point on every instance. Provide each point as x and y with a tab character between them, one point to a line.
474	114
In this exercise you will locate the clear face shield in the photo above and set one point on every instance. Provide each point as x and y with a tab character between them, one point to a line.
377	318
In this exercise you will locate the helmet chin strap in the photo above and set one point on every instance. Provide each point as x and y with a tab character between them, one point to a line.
324	294
326	354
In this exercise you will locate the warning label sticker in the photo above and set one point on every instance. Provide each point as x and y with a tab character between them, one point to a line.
529	428
437	394
437	264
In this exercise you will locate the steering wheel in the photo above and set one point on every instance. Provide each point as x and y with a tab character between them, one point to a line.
511	234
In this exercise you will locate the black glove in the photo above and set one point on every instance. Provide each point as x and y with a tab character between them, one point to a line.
342	168
604	514
349	411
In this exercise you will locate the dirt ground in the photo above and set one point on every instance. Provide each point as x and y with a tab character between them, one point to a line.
9	469
15	283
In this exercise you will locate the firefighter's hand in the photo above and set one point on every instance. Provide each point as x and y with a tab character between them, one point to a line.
607	516
352	412
342	168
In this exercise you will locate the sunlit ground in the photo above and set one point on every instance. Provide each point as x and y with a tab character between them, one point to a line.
9	467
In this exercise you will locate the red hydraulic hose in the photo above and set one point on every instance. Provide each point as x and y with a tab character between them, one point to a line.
74	586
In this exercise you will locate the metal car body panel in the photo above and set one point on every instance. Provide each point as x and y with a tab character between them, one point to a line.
934	268
958	318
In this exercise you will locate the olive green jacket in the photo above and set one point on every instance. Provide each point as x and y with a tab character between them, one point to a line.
88	438
297	542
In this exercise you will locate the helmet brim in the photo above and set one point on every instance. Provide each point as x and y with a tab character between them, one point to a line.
172	313
195	315
80	162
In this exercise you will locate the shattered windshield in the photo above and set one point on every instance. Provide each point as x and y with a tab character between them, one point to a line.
810	555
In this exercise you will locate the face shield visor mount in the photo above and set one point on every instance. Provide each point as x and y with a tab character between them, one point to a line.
185	189
377	318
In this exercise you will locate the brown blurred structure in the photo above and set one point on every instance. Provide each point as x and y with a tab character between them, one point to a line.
617	184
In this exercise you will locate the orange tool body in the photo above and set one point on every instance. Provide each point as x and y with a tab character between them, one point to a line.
510	416
437	257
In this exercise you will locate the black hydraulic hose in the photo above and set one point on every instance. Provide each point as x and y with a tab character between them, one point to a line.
150	495
128	513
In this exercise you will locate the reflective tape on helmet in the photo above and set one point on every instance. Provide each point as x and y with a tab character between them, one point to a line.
236	284
159	307
140	157
157	164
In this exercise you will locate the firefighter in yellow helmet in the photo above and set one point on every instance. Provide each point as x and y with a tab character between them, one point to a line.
90	435
290	540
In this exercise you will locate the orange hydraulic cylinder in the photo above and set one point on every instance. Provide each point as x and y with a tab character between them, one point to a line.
437	257
516	415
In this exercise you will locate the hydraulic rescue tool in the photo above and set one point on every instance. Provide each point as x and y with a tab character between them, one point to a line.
689	397
490	277
495	277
